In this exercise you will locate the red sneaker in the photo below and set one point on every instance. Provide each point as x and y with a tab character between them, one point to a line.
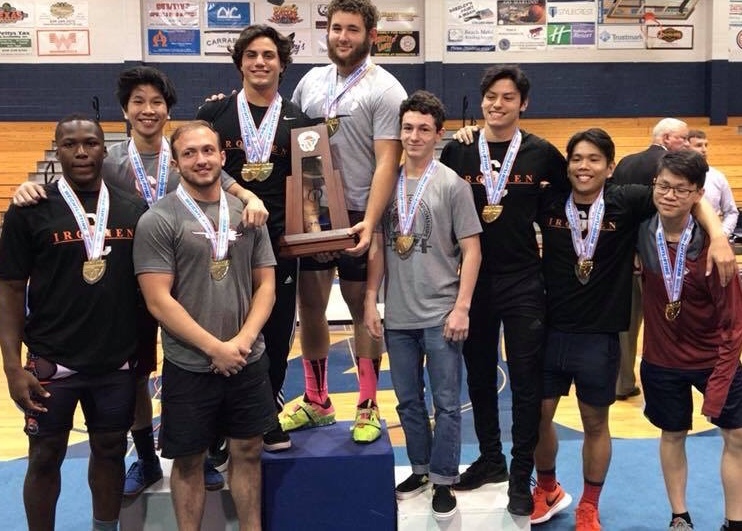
547	504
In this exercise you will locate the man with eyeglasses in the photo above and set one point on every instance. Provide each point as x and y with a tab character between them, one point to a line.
589	237
692	336
669	134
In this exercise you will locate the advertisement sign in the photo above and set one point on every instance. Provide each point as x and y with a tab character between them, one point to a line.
173	42
62	14
17	14
227	14
182	14
15	42
62	42
571	34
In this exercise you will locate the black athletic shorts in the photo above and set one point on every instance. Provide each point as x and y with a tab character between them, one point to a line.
198	407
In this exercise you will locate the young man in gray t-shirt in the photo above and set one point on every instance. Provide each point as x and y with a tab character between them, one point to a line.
430	260
209	280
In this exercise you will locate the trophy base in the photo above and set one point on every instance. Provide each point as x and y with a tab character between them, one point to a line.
309	243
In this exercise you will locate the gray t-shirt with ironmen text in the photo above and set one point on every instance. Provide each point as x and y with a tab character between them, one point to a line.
421	286
169	239
369	111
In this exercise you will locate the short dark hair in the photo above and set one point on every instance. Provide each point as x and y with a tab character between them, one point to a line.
365	8
145	75
685	163
424	102
190	126
512	72
284	44
597	137
76	117
696	133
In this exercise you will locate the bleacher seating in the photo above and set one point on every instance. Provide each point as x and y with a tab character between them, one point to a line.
27	151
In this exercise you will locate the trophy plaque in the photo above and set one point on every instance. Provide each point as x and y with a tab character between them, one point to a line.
313	143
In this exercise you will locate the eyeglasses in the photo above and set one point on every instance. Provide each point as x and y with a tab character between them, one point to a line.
663	188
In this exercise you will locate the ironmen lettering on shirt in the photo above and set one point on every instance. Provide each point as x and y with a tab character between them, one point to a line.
69	236
516	178
562	223
238	144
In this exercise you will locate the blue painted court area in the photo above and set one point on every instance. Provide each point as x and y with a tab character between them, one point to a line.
633	498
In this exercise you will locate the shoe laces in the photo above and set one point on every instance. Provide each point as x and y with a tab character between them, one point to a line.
365	412
135	471
586	517
680	523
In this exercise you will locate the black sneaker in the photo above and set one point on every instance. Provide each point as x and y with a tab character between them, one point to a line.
412	486
276	440
218	455
480	472
444	502
520	498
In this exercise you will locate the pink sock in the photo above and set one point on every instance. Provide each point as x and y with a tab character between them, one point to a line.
368	376
315	380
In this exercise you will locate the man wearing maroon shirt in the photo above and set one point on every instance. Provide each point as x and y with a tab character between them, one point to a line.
692	336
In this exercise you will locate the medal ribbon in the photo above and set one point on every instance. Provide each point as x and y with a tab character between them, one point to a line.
163	171
495	190
585	248
673	277
331	100
219	239
93	237
407	214
258	142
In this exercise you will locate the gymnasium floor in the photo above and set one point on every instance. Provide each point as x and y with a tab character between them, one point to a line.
635	447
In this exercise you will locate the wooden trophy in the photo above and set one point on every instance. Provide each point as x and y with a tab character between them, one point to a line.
312	142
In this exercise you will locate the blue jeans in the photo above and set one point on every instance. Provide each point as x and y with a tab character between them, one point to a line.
430	452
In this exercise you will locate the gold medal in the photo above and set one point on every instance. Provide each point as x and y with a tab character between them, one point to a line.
219	268
404	243
491	212
333	124
672	310
583	270
93	270
256	171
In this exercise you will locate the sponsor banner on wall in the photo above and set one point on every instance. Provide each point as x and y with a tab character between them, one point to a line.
396	44
15	42
17	15
183	14
216	42
571	12
302	43
62	42
735	43
735	12
521	38
676	37
173	42
400	30
318	16
62	14
284	17
227	14
470	26
574	34
620	37
520	13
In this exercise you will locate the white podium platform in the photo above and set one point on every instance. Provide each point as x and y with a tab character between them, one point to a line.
484	508
153	509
